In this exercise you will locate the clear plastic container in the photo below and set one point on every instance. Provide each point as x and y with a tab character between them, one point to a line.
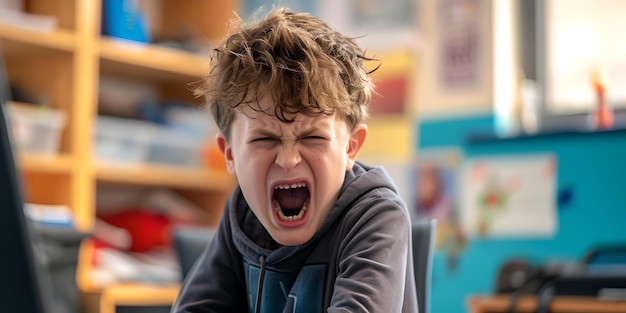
122	140
174	146
36	128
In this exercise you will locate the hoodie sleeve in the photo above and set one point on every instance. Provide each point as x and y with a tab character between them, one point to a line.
372	270
214	284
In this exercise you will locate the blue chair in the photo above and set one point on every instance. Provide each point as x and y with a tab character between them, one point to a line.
423	235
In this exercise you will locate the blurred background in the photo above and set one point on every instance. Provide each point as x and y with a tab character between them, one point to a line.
502	119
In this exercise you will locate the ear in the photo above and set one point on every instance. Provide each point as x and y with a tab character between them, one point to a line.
226	149
355	143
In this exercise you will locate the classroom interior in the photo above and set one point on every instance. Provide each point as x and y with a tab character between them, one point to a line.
504	120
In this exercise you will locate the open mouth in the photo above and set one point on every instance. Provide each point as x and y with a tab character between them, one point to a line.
291	201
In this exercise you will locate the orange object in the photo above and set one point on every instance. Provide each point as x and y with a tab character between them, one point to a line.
213	157
604	115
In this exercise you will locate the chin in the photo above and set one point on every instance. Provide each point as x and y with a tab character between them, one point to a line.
287	239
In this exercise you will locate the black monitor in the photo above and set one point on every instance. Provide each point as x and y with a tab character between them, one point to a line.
24	284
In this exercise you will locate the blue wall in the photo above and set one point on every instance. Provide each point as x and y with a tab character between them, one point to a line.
592	166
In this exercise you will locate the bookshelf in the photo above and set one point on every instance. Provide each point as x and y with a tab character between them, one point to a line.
63	67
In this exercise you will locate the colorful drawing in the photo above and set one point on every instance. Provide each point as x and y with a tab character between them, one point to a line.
492	200
509	196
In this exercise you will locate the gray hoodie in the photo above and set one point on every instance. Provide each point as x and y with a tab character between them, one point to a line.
359	261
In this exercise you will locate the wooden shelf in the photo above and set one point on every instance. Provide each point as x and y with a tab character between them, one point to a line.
56	164
141	294
109	298
163	175
58	39
120	294
161	59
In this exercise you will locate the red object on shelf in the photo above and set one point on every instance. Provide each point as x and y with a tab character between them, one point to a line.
147	229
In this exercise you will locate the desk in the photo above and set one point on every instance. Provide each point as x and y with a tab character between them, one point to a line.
500	303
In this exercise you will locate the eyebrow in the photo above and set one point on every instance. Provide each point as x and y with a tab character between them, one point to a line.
264	132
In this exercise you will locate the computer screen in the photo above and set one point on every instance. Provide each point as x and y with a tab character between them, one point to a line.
22	276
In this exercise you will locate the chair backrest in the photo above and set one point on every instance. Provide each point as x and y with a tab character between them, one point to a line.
189	243
423	234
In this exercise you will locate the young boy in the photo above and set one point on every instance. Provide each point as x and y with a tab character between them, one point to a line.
308	229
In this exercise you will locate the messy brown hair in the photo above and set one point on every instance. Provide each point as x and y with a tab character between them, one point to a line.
306	66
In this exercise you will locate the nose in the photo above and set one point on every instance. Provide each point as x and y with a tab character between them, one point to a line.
288	157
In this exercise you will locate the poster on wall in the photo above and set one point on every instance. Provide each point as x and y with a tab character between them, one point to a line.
435	181
435	194
393	78
509	196
460	44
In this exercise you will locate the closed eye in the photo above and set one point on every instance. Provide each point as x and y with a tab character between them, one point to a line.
264	139
313	138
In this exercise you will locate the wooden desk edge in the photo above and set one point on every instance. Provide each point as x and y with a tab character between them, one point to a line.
137	294
528	303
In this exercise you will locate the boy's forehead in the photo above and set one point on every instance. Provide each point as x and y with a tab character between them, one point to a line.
261	114
253	122
268	119
265	109
261	107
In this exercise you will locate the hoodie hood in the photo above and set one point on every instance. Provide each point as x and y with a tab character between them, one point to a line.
256	242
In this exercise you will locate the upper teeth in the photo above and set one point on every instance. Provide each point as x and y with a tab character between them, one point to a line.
287	186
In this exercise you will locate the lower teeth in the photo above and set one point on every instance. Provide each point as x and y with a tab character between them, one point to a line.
290	218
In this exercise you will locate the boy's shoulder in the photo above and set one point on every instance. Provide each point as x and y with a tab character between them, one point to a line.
372	191
365	181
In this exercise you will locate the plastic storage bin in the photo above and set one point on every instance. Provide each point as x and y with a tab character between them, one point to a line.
174	146
36	128
122	140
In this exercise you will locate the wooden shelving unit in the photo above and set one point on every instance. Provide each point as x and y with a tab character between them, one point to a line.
58	39
64	66
163	175
59	164
159	59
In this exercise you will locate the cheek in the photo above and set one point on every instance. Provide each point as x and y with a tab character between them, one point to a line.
323	159
255	165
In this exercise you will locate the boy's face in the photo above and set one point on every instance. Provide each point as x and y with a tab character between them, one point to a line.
290	173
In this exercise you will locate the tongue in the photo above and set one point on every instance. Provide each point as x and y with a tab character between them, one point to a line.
291	199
